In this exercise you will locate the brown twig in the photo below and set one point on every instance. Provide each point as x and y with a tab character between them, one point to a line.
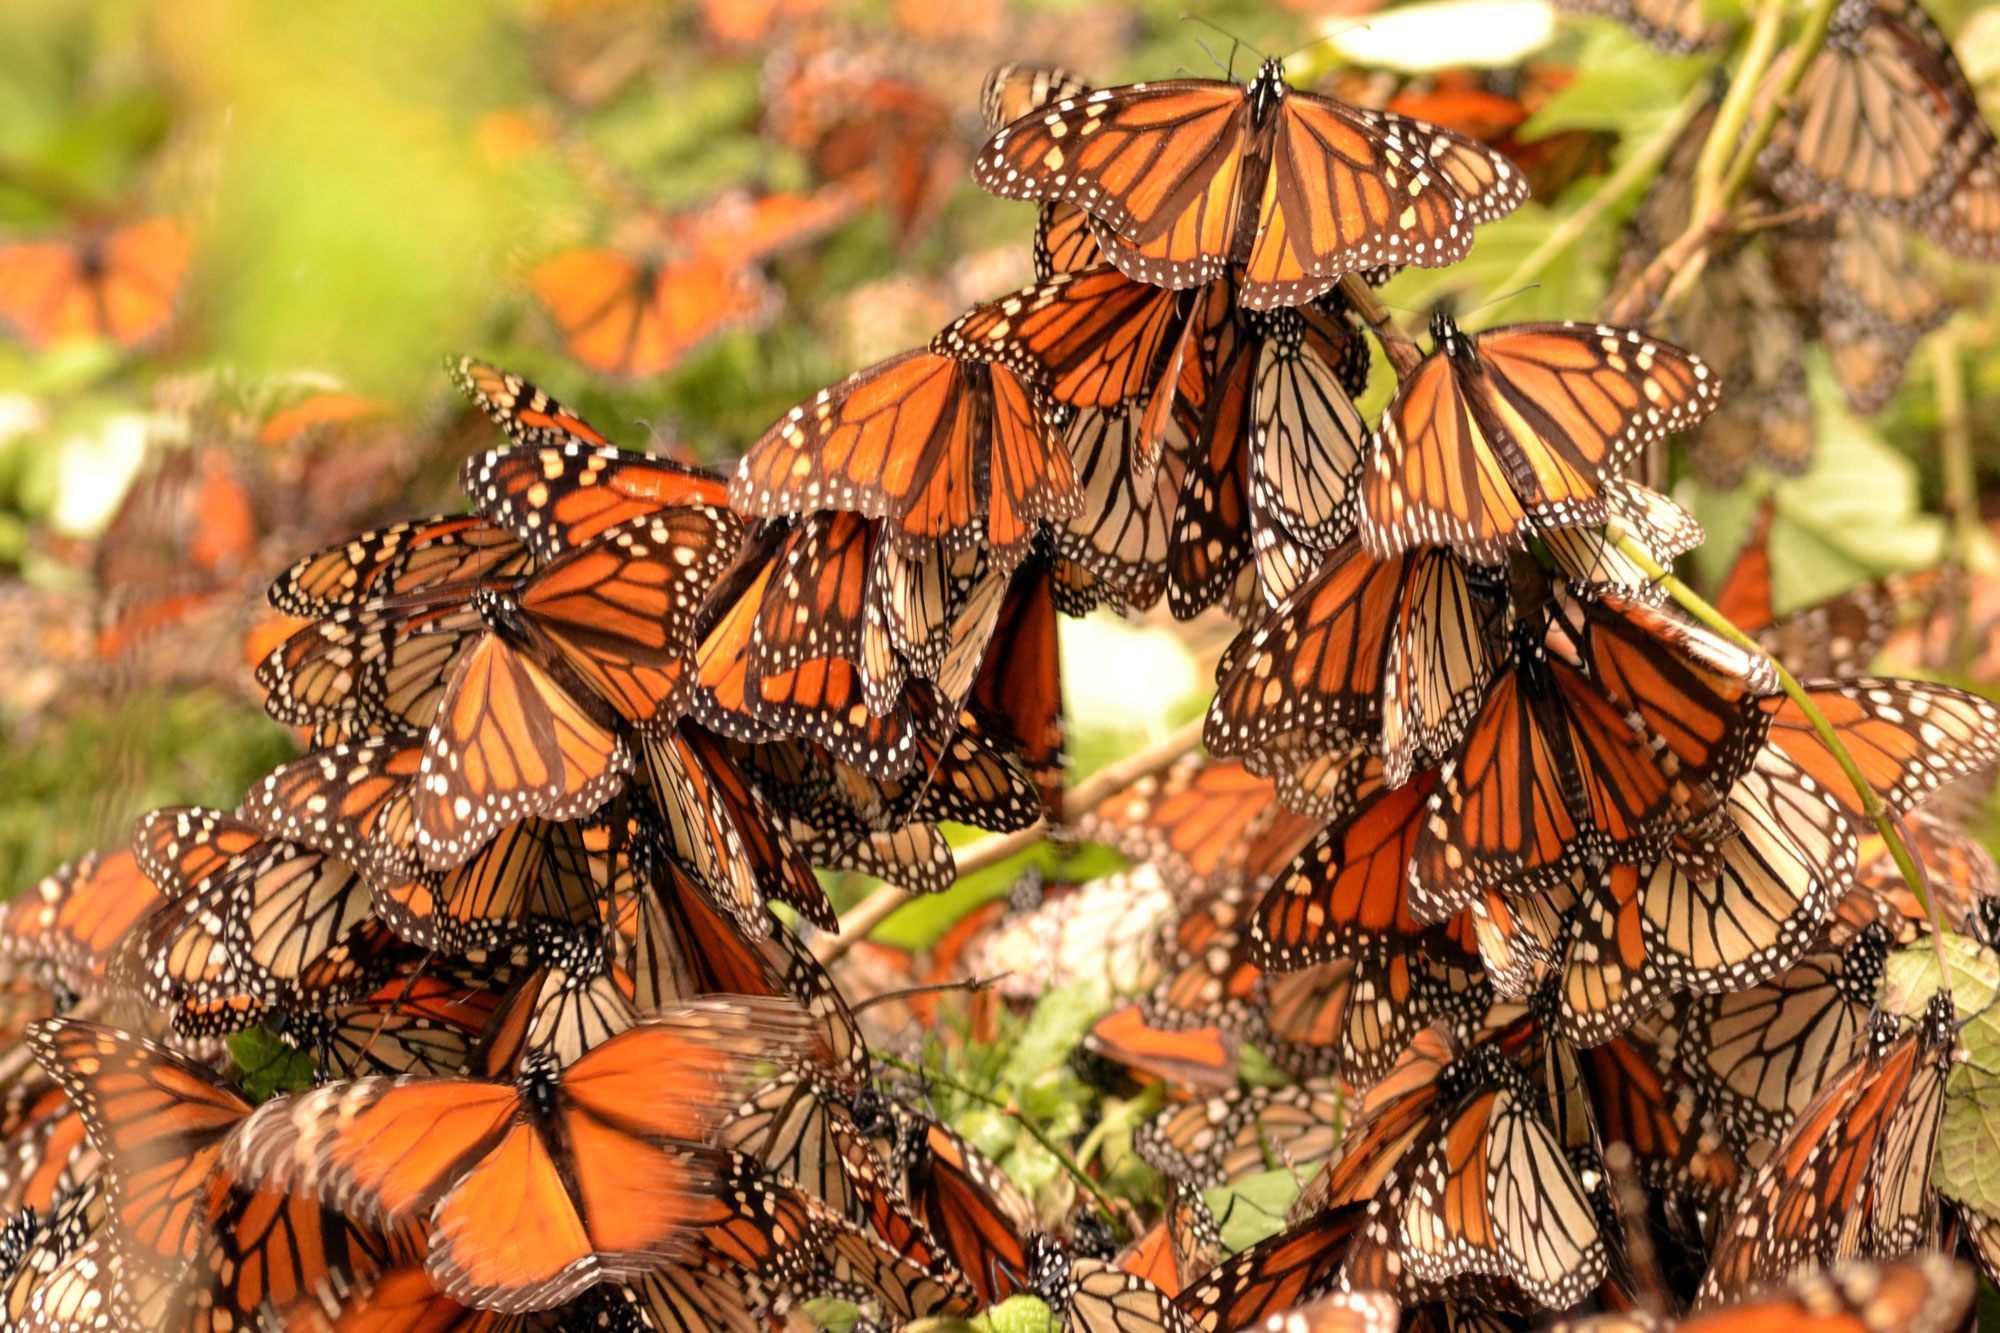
1679	265
1402	349
873	910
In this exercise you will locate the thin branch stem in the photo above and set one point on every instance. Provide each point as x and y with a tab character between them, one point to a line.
1734	111
1676	268
1012	1112
1961	489
1402	349
1805	48
1872	807
1636	169
876	908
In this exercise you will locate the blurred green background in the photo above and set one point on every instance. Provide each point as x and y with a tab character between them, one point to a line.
680	219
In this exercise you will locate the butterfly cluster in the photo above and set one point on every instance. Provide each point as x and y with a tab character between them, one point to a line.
1550	900
1883	151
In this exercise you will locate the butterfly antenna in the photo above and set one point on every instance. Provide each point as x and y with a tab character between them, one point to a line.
1504	296
1214	57
1322	41
1235	43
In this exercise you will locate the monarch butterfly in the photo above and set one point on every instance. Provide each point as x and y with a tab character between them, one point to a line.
1203	824
1841	636
1655	522
1096	339
1465	1178
1746	323
266	924
1091	1296
1558	765
1300	1264
421	1022
1760	1054
1172	174
1679	1138
626	315
1343	897
1393	655
1010	92
721	826
887	139
1908	737
1122	532
564	484
161	1121
1245	1131
78	918
625	1194
1500	432
401	560
1852	1174
1885	123
798	1124
1342	1312
49	1152
1674	26
1016	692
1751	332
520	682
72	1276
357	801
1877	302
1776	879
750	1242
119	284
978	1215
949	451
1963	880
838	718
1182	1246
1922	1293
1199	1057
1491	107
680	945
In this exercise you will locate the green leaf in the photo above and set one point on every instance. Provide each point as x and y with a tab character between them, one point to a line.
1016	1314
1253	1208
269	1066
1060	1019
1474	285
1621	84
1967	1167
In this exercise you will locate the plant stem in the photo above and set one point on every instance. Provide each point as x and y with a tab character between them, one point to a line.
1402	349
1961	490
1012	1112
1637	168
1804	49
1734	111
1872	807
1680	263
873	910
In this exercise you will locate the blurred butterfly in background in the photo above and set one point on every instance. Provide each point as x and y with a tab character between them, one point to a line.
121	283
1886	124
635	313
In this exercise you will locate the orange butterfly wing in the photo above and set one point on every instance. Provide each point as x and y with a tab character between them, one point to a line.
508	742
